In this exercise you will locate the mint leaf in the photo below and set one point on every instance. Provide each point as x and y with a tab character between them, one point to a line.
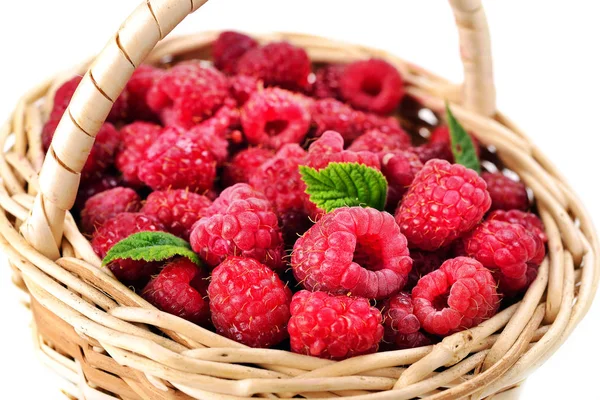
150	246
461	143
345	184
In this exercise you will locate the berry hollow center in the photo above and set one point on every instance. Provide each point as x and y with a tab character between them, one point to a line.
275	127
371	86
440	302
368	253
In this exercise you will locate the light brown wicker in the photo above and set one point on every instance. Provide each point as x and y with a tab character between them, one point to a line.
95	332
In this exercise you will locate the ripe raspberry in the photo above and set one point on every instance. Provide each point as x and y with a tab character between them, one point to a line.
136	138
105	205
242	87
377	141
373	85
402	329
334	327
327	82
530	221
459	295
223	125
244	164
424	262
330	148
179	159
434	151
278	63
274	117
177	209
444	201
180	289
506	194
118	228
505	246
400	168
510	287
228	48
245	226
140	83
249	303
190	92
91	187
103	152
368	121
353	250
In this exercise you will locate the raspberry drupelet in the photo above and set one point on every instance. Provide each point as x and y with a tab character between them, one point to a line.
106	205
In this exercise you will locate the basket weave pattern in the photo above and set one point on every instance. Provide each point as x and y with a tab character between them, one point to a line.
94	331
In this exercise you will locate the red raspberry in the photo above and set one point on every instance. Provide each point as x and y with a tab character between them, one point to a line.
274	117
459	295
278	63
190	92
103	152
222	125
424	262
177	209
244	164
402	328
228	48
510	287
444	201
530	221
105	205
373	85
327	82
249	303
433	151
180	289
334	327
330	148
140	83
242	87
244	226
179	159
353	250
505	246
506	194
118	228
91	187
377	141
400	168
368	121
136	139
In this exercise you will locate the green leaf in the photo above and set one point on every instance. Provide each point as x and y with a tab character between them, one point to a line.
150	246
462	145
345	184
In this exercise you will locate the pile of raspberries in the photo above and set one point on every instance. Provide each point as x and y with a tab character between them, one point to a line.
210	152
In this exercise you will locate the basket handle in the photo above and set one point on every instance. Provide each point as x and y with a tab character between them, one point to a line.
107	76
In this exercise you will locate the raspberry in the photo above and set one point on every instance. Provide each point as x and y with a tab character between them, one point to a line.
459	295
107	204
400	168
278	63
334	327
506	194
327	82
424	262
228	48
444	201
222	125
249	303
433	151
103	152
510	287
368	121
401	326
118	228
190	92
244	225
180	289
274	117
91	187
177	209
373	85
242	87
136	139
505	246
178	159
138	87
244	164
353	250
530	221
330	148
377	141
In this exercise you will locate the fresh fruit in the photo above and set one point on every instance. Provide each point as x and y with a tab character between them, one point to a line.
140	83
330	148
335	327
242	87
229	47
249	303
180	289
136	138
432	151
244	164
402	329
424	262
377	141
106	205
444	202
506	193
530	221
327	82
91	187
353	250
400	168
459	295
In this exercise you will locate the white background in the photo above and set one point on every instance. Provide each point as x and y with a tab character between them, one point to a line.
546	64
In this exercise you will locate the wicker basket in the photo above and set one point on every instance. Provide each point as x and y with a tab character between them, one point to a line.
95	332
